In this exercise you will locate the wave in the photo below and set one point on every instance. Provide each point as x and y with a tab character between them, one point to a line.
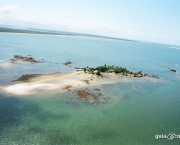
174	47
5	64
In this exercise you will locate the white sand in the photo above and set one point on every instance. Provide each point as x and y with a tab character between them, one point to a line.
24	88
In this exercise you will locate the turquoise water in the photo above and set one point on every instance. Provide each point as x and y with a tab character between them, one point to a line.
136	111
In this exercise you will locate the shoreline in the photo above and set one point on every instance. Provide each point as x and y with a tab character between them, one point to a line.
70	81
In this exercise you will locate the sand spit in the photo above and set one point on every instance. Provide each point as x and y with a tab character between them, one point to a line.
73	81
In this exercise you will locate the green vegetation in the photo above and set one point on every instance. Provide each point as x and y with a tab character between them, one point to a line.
15	30
98	73
112	69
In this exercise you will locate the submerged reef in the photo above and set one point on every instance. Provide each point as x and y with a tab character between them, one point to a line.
84	94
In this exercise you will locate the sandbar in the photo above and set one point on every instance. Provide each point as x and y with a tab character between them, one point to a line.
32	84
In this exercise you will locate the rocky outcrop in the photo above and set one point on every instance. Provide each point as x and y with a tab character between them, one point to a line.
171	69
151	75
67	63
25	58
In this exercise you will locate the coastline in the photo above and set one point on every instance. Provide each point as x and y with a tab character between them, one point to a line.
56	33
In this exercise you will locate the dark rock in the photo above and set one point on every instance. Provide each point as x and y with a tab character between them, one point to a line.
155	76
173	70
78	68
67	63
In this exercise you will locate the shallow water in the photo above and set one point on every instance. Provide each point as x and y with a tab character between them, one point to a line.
134	114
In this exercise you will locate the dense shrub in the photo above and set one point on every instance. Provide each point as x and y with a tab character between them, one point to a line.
98	73
109	69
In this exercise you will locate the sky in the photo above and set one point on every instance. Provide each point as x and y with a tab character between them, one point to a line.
146	20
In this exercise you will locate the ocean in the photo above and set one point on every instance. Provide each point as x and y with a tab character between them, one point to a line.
136	112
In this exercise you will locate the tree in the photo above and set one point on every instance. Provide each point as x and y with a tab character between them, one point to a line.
116	70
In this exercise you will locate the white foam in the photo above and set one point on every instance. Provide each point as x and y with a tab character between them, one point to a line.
174	47
5	64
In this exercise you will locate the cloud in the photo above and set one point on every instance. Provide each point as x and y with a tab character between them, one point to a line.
9	9
14	13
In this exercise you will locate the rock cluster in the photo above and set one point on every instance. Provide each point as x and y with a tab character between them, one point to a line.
25	58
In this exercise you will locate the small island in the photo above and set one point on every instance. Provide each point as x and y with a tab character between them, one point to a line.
77	82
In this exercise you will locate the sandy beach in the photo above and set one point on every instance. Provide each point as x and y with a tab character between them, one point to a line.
58	81
35	83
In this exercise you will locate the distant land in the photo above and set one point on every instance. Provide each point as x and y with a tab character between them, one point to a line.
49	32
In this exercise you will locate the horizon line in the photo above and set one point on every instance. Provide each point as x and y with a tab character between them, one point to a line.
58	32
